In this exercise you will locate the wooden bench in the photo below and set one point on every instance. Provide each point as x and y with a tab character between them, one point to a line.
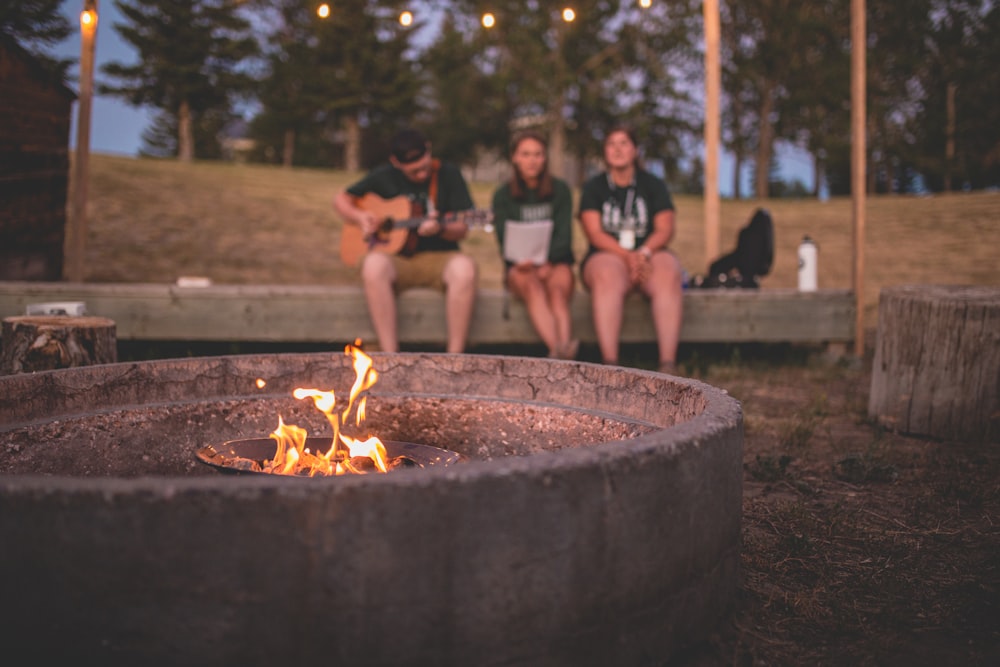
314	313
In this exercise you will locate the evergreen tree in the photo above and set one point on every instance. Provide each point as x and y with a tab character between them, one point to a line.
614	62
364	76
897	58
36	25
957	123
814	112
190	53
289	116
334	79
782	58
462	102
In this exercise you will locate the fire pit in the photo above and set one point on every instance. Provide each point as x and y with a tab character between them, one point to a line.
594	518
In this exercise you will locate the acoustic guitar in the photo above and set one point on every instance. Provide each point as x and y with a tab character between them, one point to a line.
395	226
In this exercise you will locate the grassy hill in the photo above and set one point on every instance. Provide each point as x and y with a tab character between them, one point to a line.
153	220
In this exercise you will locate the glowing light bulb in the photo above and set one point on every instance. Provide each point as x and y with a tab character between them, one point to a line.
489	20
568	15
645	4
88	18
323	11
406	18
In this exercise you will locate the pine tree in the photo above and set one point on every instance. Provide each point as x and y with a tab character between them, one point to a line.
462	102
36	25
958	118
365	77
190	53
614	62
333	79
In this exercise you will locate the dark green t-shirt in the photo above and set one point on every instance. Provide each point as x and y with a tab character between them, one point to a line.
645	197
452	196
558	208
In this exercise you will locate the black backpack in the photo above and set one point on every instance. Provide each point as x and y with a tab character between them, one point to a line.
750	261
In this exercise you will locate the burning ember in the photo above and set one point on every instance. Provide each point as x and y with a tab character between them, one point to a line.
297	454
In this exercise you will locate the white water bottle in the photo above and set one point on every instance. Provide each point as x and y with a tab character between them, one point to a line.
807	265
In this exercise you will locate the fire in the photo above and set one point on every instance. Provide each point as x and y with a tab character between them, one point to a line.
346	454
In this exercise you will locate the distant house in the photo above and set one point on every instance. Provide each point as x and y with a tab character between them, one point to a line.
236	145
35	110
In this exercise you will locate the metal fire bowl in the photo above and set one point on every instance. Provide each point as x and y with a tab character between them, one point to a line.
263	449
596	521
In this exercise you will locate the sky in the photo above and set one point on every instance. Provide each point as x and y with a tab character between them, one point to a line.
116	127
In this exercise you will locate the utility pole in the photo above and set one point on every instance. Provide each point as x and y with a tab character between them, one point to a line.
78	217
713	87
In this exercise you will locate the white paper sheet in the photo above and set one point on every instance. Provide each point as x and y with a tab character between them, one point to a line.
527	241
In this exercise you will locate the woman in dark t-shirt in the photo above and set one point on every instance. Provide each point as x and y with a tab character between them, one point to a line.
628	218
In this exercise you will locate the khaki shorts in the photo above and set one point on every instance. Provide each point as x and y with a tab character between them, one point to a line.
424	269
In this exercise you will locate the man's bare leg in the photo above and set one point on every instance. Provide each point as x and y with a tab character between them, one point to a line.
378	276
459	278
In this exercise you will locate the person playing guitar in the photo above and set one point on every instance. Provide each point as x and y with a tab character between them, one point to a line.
429	254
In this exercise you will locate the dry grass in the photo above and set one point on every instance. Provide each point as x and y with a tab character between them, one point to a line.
860	547
151	221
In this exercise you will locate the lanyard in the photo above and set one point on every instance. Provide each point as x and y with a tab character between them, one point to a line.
629	195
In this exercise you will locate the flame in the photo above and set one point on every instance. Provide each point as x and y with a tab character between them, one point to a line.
291	456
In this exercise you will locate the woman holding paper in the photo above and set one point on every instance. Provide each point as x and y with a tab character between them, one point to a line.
533	218
628	217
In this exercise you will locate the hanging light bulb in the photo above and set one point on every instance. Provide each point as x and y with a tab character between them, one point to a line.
568	15
323	11
406	18
489	20
645	4
88	18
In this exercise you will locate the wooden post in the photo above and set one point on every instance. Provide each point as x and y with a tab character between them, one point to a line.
858	152
77	236
713	86
937	362
949	134
45	343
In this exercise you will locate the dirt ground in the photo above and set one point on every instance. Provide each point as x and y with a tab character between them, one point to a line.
860	546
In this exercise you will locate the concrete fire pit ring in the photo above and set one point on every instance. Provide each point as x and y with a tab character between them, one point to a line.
596	522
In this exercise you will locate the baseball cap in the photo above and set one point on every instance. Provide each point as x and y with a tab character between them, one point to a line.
408	146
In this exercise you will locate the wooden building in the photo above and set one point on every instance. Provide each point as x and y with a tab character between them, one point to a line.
35	111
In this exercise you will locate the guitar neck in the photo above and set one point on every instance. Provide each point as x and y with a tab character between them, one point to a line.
413	223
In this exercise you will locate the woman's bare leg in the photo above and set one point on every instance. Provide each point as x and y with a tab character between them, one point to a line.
526	285
559	284
666	297
606	275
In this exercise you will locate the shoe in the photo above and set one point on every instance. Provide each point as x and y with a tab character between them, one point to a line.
570	349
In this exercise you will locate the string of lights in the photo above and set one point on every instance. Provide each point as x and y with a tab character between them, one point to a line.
488	19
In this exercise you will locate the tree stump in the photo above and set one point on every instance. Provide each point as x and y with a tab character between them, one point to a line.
937	362
43	343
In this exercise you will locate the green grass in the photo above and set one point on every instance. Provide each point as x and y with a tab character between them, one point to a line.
155	220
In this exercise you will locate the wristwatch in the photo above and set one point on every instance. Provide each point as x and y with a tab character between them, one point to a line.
646	252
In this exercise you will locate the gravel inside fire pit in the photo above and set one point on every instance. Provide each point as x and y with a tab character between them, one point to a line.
162	440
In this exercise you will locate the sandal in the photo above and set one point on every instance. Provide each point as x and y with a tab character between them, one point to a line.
570	349
668	367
